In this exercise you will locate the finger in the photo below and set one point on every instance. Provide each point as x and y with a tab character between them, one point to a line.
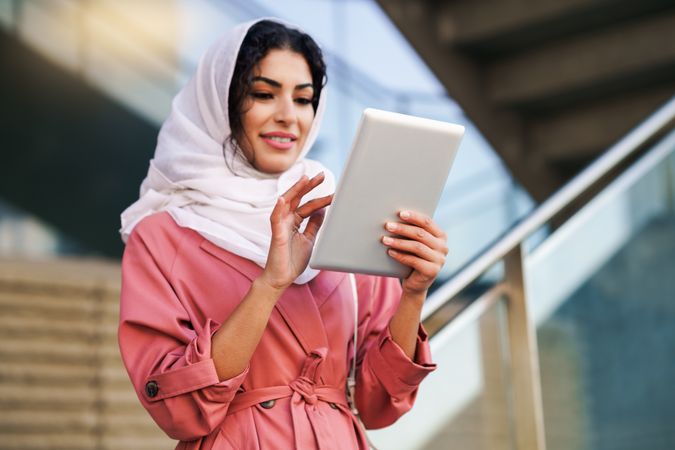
425	268
417	234
422	220
278	211
296	188
311	206
414	248
313	182
314	223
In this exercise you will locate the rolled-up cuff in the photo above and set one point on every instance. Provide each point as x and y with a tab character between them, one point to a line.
224	391
398	373
199	373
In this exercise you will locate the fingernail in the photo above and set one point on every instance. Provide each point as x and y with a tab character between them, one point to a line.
387	240
405	214
391	226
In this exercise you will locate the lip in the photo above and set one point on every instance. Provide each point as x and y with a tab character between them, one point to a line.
279	134
279	145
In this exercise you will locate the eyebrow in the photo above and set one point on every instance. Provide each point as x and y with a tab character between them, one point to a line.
276	84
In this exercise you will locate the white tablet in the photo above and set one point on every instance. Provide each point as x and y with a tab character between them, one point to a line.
397	162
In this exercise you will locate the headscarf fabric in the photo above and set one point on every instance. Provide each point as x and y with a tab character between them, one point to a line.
199	177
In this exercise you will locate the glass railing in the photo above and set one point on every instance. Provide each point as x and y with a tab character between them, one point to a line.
568	343
466	402
602	290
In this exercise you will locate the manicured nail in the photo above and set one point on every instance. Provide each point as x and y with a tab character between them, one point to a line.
391	226
405	214
387	240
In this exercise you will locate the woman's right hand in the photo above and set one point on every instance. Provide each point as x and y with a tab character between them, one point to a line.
290	249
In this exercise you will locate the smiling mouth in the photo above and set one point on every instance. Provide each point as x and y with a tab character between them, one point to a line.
279	142
283	140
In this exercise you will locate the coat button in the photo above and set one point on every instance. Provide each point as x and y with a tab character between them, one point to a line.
333	405
151	389
268	404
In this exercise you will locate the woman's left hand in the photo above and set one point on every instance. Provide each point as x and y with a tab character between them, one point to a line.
419	243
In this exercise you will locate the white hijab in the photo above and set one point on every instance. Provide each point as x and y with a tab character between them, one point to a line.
227	202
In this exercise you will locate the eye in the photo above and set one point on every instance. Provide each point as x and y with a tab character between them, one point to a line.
261	95
303	101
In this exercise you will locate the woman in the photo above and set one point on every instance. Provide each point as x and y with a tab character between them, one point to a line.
229	338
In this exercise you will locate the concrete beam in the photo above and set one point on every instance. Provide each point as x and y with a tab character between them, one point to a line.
595	60
500	25
581	132
466	21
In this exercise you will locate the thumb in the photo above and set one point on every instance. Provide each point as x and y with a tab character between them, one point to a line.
315	221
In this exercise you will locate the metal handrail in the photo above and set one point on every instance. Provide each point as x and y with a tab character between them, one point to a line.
580	184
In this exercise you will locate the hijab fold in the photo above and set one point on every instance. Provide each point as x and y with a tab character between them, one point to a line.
198	176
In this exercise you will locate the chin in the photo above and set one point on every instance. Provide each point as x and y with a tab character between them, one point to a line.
276	167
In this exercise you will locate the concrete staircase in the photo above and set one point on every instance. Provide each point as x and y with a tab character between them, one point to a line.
62	383
550	83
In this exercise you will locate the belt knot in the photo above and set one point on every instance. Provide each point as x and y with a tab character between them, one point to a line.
305	387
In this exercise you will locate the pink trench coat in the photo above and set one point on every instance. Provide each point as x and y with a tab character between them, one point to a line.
177	288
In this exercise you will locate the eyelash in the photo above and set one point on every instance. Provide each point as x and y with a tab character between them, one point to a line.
268	96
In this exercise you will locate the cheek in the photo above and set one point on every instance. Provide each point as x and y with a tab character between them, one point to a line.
251	119
306	118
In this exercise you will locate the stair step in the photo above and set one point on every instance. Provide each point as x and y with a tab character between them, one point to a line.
22	352
58	328
81	397
152	441
39	326
66	275
37	422
21	304
32	373
49	441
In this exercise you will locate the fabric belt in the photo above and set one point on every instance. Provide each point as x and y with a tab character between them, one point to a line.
329	394
305	394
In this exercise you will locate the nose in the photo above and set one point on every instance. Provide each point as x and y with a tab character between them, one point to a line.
285	112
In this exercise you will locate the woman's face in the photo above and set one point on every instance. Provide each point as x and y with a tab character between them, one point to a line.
278	113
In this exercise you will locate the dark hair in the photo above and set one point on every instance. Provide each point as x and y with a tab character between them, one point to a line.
262	37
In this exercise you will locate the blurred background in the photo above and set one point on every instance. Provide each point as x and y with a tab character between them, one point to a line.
568	160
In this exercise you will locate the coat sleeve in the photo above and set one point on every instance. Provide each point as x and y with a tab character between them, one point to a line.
168	356
387	380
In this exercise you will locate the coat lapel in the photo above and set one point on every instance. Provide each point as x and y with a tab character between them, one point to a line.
297	305
324	285
242	265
